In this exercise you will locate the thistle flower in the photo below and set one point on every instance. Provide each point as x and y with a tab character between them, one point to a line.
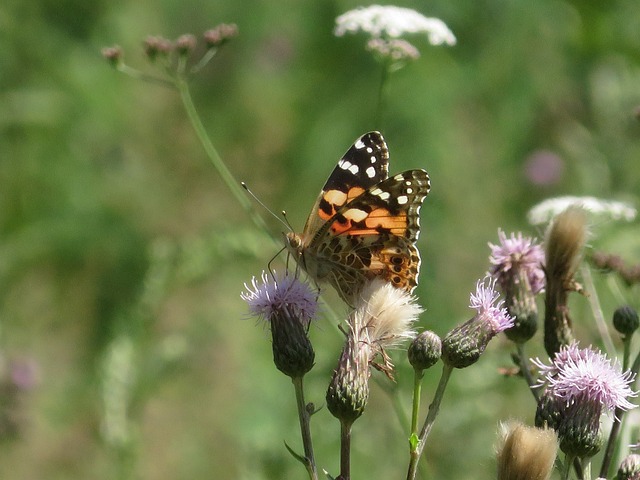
289	305
383	318
565	242
548	209
463	345
580	385
390	21
525	453
517	267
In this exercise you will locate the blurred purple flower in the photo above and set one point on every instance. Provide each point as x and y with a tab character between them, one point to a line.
515	255
544	168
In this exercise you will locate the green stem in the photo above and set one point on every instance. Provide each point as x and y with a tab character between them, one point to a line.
618	416
568	461
417	389
305	430
526	372
428	423
381	91
345	451
214	157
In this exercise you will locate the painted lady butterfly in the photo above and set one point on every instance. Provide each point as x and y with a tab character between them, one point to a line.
363	224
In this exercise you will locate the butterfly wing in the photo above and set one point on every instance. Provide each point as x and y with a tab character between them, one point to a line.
373	235
365	164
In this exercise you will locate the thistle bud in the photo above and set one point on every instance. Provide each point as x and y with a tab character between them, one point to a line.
425	351
629	468
625	320
293	354
579	431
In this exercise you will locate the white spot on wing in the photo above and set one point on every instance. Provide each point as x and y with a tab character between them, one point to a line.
371	172
402	199
359	144
354	169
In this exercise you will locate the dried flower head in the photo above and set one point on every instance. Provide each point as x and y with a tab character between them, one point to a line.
383	317
548	209
565	241
463	345
629	468
525	453
392	22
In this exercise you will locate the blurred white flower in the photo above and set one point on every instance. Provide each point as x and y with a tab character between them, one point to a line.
396	49
392	22
546	210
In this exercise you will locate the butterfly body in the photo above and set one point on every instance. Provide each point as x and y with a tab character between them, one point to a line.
363	224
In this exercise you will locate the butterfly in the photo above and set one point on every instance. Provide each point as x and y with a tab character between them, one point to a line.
363	225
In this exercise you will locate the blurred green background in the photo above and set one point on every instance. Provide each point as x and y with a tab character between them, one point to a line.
126	351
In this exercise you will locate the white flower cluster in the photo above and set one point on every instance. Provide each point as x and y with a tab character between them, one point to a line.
392	22
546	210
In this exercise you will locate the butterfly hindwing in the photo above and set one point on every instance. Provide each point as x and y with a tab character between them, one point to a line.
379	228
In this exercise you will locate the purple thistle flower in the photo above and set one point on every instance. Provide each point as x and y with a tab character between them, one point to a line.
585	375
275	294
517	254
483	301
289	306
463	345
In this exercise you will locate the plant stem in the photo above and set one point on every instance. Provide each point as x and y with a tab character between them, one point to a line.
381	91
213	155
617	418
345	450
417	391
568	461
416	452
526	373
305	430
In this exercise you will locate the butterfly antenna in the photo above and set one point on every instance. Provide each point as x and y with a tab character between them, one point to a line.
253	195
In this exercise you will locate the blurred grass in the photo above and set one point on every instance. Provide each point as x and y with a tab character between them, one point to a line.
114	225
